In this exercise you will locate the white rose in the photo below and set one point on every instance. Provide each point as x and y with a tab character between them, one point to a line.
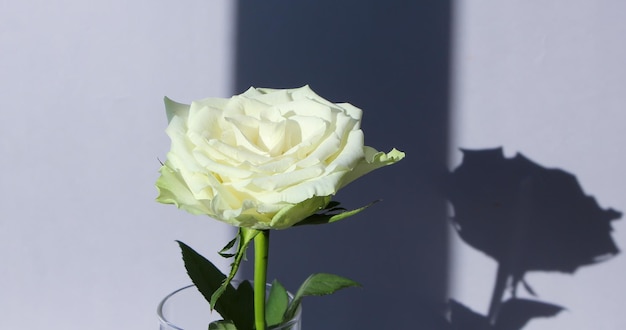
264	159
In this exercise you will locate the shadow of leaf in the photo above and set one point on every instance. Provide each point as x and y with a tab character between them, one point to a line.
515	313
463	318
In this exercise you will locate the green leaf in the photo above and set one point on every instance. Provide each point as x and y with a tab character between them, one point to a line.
246	235
276	305
331	215
233	304
318	285
244	315
208	279
222	325
228	246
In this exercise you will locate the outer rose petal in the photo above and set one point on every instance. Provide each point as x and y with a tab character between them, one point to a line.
175	109
173	190
373	159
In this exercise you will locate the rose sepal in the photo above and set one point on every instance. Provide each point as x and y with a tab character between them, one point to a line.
245	236
332	213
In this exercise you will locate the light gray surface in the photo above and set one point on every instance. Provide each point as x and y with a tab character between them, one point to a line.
83	243
547	78
84	246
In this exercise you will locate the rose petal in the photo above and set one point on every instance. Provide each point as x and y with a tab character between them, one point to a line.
373	160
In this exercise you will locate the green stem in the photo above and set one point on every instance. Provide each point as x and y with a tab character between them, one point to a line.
261	249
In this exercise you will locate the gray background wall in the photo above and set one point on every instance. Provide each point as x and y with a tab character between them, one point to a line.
390	59
546	78
85	246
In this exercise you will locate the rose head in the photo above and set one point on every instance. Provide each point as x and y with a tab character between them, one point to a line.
265	159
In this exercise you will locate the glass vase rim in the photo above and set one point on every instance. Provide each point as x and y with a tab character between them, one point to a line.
294	320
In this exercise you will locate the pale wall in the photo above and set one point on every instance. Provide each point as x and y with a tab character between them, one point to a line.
547	79
83	244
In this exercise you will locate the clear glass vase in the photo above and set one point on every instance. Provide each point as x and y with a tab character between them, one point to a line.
186	309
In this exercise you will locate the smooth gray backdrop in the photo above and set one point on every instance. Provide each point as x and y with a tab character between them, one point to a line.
391	59
83	245
547	79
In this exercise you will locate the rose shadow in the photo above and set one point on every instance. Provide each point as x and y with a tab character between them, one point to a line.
527	218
